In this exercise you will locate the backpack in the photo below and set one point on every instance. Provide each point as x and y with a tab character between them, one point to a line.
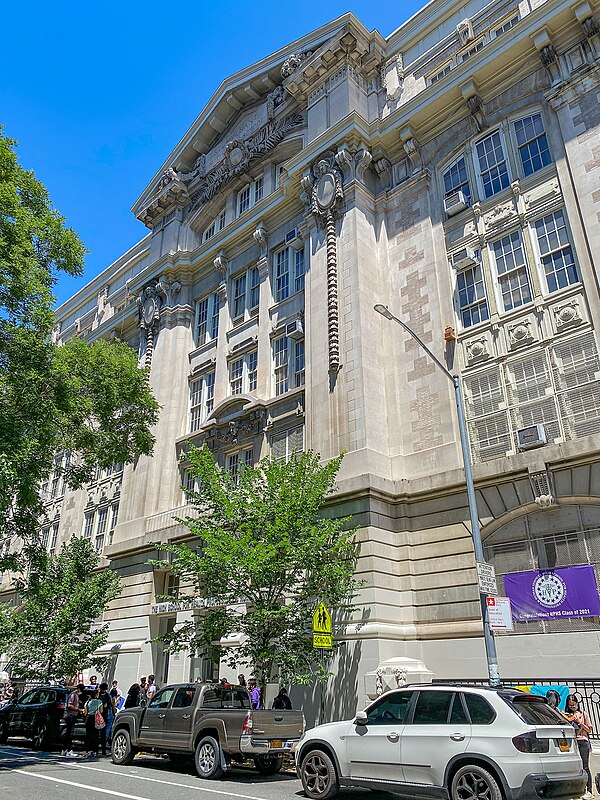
99	722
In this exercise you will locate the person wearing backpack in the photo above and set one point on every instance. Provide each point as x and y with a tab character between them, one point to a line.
94	722
108	715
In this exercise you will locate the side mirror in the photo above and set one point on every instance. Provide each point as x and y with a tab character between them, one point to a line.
361	718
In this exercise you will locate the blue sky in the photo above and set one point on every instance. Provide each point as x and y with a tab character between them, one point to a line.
97	94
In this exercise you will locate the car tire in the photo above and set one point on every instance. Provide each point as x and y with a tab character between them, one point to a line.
268	766
473	782
121	751
318	775
39	739
207	758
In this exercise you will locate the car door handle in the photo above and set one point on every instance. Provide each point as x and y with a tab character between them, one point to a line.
186	716
161	716
457	737
393	737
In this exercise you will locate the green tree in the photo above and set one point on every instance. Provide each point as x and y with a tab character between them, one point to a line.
90	399
53	631
265	555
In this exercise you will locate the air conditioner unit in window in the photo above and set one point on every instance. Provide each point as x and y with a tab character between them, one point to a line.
294	329
293	239
530	437
466	257
455	203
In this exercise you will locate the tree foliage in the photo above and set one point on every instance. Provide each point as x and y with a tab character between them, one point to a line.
53	632
265	555
91	399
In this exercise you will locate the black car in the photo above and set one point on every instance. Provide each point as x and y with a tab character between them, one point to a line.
39	716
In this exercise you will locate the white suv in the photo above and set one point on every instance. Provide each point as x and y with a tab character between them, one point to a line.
446	741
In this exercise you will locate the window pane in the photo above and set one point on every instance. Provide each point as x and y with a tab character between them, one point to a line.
480	710
492	164
532	142
282	275
184	697
432	708
457	714
391	710
162	699
455	179
557	255
299	271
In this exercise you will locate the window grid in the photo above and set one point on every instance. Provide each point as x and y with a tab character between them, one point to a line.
207	319
101	528
492	164
237	461
239	296
215	226
252	362
53	538
456	179
236	370
250	195
88	525
280	358
532	143
556	251
202	392
512	272
244	200
285	260
284	443
298	363
471	297
254	290
246	294
243	373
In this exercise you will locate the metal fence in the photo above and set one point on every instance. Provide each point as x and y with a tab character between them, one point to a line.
588	690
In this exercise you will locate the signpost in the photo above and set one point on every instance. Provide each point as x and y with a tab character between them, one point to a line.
499	614
486	576
322	636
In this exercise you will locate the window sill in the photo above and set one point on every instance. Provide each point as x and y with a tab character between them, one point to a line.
203	348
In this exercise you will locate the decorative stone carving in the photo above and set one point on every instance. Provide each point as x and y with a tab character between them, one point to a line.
232	431
548	55
239	154
413	150
477	350
261	238
150	303
520	333
568	314
589	26
274	99
291	64
476	110
168	290
324	183
542	486
499	214
383	168
362	160
392	77
464	29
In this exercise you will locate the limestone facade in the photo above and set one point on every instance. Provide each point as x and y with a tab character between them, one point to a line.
450	171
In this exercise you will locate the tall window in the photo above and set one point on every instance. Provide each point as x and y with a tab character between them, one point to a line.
492	164
202	395
471	298
456	179
243	373
284	443
556	251
289	273
250	195
246	294
235	462
53	538
532	143
512	272
207	319
288	363
88	525
215	226
101	528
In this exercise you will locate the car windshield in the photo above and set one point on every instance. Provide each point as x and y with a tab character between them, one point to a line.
534	710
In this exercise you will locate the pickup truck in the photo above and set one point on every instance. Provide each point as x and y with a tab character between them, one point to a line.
212	723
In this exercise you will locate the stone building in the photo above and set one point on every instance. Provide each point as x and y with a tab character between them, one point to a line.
450	171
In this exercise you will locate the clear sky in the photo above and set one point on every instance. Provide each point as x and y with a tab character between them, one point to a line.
98	94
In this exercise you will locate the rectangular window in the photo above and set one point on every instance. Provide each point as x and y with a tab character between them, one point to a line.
243	373
250	195
44	536
217	224
53	538
258	189
101	528
506	27
456	179
299	270
284	443
471	51
236	462
236	373
88	525
492	164
298	363
289	273
556	251
281	364
207	319
470	295
239	296
189	485
512	272
254	290
532	143
244	200
246	294
439	75
202	393
252	364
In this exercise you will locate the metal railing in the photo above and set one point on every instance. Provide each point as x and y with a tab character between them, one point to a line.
588	690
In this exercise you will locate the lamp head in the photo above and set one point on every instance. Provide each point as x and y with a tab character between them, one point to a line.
383	310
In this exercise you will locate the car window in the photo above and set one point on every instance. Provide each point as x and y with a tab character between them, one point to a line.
161	699
390	710
184	697
458	715
535	711
241	698
211	698
226	698
46	696
432	708
480	710
30	698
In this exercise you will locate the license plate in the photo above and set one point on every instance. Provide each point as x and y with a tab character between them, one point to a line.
277	744
564	745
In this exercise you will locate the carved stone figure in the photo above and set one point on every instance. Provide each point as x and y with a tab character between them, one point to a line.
291	64
150	303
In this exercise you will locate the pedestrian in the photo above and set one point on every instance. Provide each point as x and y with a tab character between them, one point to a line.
242	680
582	723
254	692
282	701
117	696
93	685
72	712
108	715
151	688
92	724
142	701
9	690
133	696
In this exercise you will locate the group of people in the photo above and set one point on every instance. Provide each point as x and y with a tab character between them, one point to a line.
281	701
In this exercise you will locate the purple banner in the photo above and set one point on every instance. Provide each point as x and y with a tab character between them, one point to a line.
553	594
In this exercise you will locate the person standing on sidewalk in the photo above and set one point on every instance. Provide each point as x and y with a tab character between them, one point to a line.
582	723
108	715
254	692
151	688
72	712
92	733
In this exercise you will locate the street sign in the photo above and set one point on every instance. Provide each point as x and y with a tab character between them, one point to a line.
322	637
499	614
486	577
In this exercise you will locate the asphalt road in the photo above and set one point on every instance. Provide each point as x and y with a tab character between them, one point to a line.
26	774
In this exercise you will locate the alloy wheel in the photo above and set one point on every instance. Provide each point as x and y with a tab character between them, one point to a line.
206	757
316	774
472	785
119	746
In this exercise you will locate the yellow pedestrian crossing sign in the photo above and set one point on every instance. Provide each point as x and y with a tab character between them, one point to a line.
322	637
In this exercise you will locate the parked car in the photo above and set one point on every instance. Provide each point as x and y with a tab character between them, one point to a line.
39	716
446	741
214	724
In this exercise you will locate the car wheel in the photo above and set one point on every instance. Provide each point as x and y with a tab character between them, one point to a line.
318	775
121	750
268	766
473	782
207	758
40	735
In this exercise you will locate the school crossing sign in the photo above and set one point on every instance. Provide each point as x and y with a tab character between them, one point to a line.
322	638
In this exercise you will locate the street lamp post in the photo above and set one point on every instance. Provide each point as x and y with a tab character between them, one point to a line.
490	644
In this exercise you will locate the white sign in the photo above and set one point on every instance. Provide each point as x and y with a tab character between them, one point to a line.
486	577
499	614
